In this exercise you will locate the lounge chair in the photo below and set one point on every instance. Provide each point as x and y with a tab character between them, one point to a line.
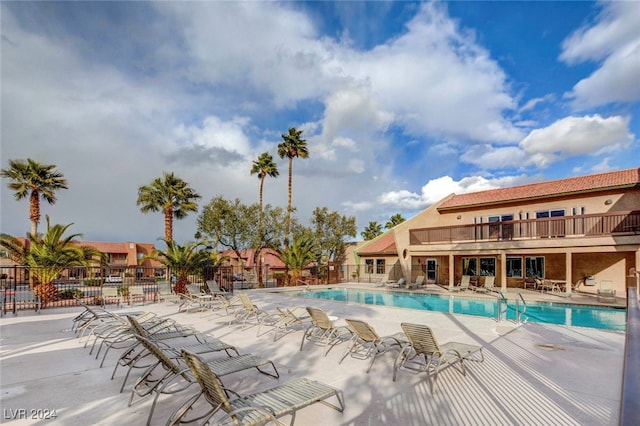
254	409
136	292
417	284
131	357
172	362
166	293
398	284
367	343
606	291
464	283
385	280
247	312
487	286
214	289
110	294
424	354
195	299
284	321
323	330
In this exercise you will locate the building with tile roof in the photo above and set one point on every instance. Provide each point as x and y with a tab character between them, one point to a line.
572	233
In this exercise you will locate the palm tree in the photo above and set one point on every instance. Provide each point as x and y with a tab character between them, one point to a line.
293	146
183	260
48	255
372	230
263	167
394	220
34	180
172	196
302	252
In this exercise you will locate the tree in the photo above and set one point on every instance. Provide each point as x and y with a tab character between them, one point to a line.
371	231
292	147
34	180
170	195
183	260
263	167
230	224
394	220
302	252
329	230
47	255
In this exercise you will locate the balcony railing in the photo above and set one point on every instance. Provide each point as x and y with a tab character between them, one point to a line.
610	224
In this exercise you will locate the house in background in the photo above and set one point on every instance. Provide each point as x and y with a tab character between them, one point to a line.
127	259
379	256
124	259
579	231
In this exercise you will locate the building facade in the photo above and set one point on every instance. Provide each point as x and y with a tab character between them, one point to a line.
575	232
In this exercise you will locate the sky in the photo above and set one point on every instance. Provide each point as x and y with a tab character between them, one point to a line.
401	103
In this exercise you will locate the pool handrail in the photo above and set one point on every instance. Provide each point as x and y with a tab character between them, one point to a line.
500	299
520	298
630	398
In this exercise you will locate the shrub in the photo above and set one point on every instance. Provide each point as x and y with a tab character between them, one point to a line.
71	293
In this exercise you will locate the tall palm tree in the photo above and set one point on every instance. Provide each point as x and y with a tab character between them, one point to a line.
292	147
170	195
394	220
34	180
264	166
372	230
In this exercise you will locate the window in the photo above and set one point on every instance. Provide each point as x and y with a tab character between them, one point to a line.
379	266
499	230
469	266
550	228
488	266
514	267
550	213
535	267
368	266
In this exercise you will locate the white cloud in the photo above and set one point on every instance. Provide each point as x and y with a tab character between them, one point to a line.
532	103
353	109
437	189
488	157
573	136
615	41
437	80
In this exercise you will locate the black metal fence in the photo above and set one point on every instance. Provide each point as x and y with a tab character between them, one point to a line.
81	284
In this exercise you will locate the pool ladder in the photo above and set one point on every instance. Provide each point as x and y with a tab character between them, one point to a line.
521	308
502	306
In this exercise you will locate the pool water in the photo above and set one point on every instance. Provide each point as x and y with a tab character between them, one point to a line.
604	318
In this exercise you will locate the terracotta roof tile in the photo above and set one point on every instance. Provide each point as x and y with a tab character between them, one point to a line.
597	182
386	243
106	247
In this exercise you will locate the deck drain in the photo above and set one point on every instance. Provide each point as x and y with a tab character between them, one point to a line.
550	347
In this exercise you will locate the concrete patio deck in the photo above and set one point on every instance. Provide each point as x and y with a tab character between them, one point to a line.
532	373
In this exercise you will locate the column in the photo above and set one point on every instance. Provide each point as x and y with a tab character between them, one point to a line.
452	269
503	271
567	273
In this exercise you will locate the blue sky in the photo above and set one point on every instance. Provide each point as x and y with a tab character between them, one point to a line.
401	103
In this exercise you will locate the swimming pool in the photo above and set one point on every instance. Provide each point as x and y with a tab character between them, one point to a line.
604	318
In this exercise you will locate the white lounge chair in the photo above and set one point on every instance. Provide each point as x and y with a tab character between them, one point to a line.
463	285
417	284
606	290
487	286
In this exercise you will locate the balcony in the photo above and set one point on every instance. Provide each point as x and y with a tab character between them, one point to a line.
610	224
